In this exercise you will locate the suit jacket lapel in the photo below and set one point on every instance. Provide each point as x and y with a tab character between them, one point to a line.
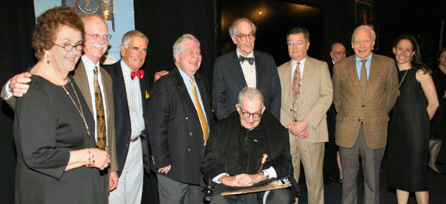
143	83
204	98
373	75
287	88
353	73
81	79
236	70
120	91
182	90
259	72
306	86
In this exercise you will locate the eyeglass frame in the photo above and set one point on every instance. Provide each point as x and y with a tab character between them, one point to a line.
97	36
72	46
245	36
243	114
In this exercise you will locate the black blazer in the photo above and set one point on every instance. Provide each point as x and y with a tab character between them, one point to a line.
174	129
122	116
229	80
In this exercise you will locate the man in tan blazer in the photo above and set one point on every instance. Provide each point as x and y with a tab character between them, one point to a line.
365	90
96	44
305	114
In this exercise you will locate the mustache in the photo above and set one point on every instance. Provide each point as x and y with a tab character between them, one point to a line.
102	46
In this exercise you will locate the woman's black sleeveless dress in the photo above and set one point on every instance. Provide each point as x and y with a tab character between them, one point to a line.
408	138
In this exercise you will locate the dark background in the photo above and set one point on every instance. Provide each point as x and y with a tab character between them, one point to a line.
163	21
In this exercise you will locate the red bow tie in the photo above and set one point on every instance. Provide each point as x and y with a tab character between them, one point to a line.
139	73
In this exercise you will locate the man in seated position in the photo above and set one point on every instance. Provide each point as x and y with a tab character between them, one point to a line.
236	146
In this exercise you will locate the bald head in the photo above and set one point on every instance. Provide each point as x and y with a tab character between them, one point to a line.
337	52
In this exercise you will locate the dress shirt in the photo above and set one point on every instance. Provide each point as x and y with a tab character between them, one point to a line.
133	92
89	69
367	65
186	80
249	71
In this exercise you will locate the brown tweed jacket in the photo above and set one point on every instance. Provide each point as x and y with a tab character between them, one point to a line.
372	109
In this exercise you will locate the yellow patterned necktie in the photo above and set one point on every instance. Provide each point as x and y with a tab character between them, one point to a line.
363	79
100	113
203	122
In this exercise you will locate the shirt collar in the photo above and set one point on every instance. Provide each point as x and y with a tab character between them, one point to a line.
88	63
368	58
301	62
250	54
125	68
185	77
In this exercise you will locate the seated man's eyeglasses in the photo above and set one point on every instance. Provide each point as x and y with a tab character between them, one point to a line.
247	115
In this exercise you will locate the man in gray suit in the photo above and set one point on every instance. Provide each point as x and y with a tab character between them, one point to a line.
244	67
365	89
307	94
96	44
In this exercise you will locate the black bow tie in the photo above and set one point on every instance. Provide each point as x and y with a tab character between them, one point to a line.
250	59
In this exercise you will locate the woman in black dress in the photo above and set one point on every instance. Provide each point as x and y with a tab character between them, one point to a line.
57	158
438	123
408	139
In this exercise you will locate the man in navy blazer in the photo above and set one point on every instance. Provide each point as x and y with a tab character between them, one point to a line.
178	125
130	95
244	67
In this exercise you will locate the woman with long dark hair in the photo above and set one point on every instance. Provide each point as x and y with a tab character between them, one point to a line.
408	139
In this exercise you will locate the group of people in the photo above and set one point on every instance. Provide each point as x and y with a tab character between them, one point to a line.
87	133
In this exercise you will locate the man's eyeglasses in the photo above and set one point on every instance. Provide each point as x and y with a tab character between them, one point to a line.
97	36
246	115
245	37
68	47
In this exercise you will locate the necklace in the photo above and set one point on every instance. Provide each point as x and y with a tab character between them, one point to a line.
79	109
402	81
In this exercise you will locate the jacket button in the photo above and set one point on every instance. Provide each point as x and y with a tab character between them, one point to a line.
186	118
190	133
188	150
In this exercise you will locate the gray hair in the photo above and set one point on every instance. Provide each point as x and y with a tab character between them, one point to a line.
178	45
250	94
232	28
129	35
369	28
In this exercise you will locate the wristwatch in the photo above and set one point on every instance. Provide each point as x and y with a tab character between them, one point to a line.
266	174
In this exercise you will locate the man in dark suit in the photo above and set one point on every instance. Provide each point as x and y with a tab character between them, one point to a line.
178	125
365	89
235	150
95	45
244	67
130	97
332	161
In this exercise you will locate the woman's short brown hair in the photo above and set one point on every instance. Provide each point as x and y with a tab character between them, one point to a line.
49	23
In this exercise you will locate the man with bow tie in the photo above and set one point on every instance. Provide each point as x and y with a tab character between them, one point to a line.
130	94
244	67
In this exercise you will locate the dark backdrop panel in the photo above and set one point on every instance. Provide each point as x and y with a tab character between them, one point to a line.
165	21
16	25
